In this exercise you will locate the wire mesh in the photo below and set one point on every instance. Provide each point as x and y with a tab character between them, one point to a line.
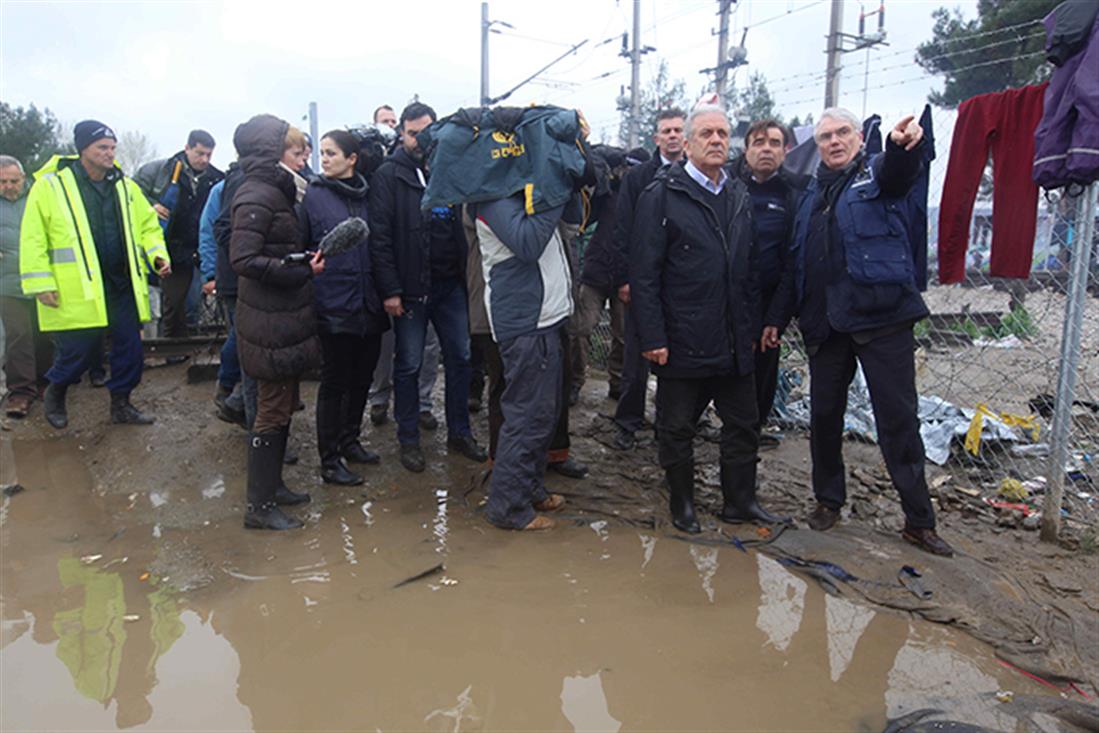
991	347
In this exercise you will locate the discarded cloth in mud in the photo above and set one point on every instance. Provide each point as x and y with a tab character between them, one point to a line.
917	722
421	575
941	423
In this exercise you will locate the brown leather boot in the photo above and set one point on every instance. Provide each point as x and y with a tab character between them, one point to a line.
927	540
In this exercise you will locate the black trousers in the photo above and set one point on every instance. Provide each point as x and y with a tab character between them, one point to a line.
679	404
889	365
630	413
348	370
766	376
494	368
174	304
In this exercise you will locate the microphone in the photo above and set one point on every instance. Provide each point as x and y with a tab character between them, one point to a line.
344	237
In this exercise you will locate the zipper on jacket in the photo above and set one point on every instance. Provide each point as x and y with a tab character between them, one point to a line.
76	226
128	224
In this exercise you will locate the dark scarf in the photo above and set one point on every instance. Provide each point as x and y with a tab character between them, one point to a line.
354	188
832	182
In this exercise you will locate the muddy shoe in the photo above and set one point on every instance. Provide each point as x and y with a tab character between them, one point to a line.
570	468
18	406
539	523
269	516
336	472
124	413
927	540
355	453
467	446
823	518
230	414
428	421
54	405
379	414
412	458
550	504
624	439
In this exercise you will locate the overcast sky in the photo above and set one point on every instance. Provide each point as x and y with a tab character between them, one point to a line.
166	67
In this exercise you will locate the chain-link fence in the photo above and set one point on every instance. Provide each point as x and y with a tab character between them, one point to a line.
988	366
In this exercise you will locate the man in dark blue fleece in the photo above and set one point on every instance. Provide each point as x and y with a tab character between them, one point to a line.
528	295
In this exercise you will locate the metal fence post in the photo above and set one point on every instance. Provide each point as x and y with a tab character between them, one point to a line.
1070	353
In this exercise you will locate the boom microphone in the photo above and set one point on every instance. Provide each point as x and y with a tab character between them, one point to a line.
344	237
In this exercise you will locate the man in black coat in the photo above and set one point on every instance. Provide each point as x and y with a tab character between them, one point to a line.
774	192
630	413
857	302
694	294
419	259
191	176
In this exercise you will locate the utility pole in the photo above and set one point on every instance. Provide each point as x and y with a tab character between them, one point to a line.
634	127
484	54
315	158
835	46
722	51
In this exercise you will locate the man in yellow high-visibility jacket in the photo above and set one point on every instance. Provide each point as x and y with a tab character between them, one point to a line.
89	239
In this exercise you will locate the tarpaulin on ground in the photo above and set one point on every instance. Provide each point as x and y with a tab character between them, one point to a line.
483	154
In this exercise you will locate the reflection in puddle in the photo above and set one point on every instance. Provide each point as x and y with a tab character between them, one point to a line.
648	545
367	516
705	559
439	525
454	718
584	703
846	623
781	603
348	543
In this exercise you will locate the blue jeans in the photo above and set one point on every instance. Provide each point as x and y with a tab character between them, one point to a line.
229	369
446	308
75	350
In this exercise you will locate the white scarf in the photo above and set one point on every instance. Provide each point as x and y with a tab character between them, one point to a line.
300	184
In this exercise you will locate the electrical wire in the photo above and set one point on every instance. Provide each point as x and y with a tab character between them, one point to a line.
784	15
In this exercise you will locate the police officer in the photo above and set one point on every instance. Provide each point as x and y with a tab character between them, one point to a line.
88	241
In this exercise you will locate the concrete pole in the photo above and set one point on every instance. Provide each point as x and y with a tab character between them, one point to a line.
634	126
1070	356
484	54
723	52
835	43
315	158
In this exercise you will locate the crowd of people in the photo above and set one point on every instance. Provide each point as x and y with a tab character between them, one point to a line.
703	263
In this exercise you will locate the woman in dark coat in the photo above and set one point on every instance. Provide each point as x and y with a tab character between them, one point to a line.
350	318
276	326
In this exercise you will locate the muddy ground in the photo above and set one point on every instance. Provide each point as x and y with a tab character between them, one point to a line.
182	481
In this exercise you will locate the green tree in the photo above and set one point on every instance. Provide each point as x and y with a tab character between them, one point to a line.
755	102
998	49
30	135
661	93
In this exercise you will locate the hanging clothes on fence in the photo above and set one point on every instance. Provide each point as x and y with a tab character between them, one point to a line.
916	200
1002	123
1066	144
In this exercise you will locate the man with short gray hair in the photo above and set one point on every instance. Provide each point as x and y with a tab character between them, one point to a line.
693	291
27	352
857	301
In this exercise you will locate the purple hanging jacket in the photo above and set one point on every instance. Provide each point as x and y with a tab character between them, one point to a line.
1066	143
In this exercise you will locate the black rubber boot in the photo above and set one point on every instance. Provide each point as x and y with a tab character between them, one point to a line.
124	413
264	469
681	488
283	495
53	403
330	428
738	490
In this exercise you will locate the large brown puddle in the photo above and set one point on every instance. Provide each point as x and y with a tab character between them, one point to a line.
591	627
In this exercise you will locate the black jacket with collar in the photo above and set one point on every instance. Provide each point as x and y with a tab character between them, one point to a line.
400	246
692	282
636	180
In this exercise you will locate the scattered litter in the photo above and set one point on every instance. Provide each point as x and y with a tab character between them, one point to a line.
1005	696
910	578
116	561
1013	490
12	490
1034	450
143	577
89	559
421	575
131	617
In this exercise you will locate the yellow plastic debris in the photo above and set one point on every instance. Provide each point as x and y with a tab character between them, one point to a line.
1013	490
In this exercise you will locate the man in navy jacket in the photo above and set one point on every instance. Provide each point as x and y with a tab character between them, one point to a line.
857	301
